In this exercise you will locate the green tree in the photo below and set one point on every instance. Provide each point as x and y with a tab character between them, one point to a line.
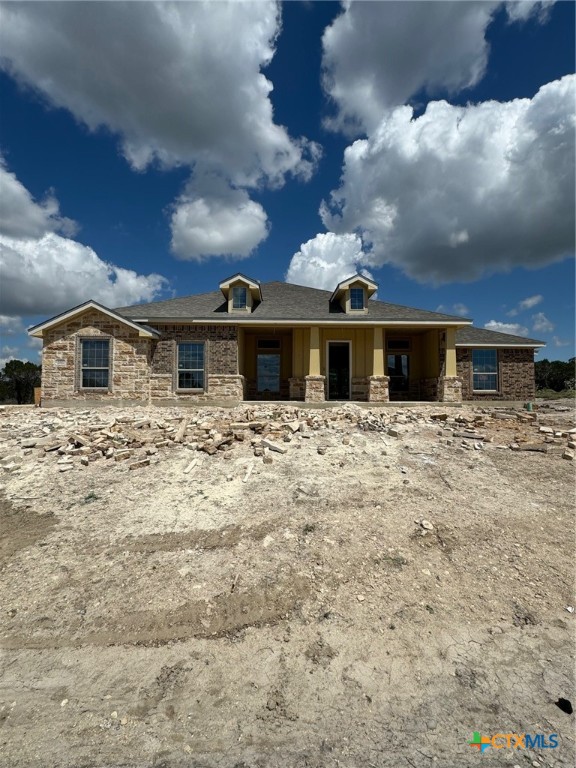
556	374
18	379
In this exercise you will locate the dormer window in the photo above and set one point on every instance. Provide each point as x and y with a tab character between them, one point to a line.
239	297
353	294
357	298
242	294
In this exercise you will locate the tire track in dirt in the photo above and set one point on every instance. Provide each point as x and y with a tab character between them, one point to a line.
225	614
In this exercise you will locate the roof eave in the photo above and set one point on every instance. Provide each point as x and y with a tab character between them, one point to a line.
226	319
37	331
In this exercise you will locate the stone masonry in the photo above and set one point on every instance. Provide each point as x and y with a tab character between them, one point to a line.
378	389
515	375
142	370
449	389
129	377
220	360
315	389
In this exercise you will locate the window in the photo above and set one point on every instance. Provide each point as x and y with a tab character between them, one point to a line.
485	370
95	363
191	365
356	298
268	343
239	297
398	344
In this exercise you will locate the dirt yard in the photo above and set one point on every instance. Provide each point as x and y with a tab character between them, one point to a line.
177	592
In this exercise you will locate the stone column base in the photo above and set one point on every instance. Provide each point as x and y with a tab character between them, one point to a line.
229	387
378	391
296	388
449	389
314	389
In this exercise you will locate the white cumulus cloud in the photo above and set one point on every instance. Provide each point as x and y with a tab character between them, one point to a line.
325	260
513	328
377	56
211	219
9	326
179	83
47	273
454	309
22	216
461	192
558	342
541	323
528	303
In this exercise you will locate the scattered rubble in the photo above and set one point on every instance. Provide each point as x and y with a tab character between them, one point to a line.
75	439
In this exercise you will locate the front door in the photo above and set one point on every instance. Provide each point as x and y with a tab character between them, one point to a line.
399	373
339	370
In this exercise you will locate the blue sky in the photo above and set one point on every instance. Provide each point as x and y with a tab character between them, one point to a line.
150	150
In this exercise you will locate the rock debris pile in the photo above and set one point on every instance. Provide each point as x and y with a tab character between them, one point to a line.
75	439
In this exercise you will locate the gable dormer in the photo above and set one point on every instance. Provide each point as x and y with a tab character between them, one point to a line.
353	294
241	292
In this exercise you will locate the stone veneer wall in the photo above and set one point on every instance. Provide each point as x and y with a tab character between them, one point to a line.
297	388
515	375
359	388
61	360
141	370
449	389
220	360
314	389
378	389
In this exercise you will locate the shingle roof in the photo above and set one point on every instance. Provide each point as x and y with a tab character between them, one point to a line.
473	336
281	301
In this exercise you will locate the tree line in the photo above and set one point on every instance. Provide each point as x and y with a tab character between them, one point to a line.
17	381
558	375
18	378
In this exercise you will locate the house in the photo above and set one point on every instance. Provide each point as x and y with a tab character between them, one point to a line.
277	341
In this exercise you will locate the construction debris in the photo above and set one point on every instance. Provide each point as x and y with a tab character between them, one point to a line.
135	440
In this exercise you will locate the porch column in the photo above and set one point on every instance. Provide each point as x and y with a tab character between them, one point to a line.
450	352
314	381
450	386
314	363
378	383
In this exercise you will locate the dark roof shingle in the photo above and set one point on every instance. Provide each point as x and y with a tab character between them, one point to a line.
281	301
471	335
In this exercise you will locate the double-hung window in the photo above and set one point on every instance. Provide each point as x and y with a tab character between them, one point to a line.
95	372
356	298
191	365
484	370
239	297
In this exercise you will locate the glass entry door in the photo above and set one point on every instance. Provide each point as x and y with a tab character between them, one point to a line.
399	373
339	370
268	373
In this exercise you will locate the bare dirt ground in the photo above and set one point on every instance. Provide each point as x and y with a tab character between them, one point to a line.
364	599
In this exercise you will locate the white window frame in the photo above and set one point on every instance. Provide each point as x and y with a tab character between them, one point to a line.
82	368
363	292
243	288
184	370
485	373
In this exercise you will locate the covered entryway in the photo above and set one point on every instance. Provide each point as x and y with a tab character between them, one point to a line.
339	370
265	360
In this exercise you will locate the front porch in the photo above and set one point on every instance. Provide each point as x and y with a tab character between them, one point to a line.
356	364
